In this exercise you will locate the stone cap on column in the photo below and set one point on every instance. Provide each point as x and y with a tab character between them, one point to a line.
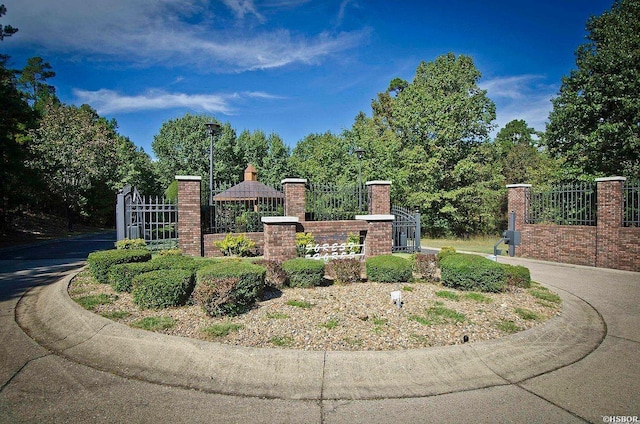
378	182
370	218
605	179
188	178
294	181
518	186
280	219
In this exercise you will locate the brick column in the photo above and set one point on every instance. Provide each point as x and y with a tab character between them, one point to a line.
294	197
280	237
379	197
379	239
518	202
610	199
189	224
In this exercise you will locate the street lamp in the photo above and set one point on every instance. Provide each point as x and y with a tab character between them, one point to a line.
360	153
212	128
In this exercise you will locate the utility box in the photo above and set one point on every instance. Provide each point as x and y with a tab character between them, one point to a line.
512	237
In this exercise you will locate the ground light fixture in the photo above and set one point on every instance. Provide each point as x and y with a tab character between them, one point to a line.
396	297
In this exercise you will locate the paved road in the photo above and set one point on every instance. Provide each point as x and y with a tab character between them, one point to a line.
37	385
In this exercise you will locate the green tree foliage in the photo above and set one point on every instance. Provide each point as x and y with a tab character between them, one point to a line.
5	30
32	82
321	158
517	145
594	121
275	166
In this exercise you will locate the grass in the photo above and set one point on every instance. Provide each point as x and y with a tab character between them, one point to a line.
221	330
277	315
378	323
407	288
281	341
545	295
331	324
447	294
508	326
478	297
90	302
154	323
300	303
438	315
526	314
115	315
478	244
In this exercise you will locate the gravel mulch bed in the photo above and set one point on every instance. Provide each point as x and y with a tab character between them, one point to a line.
358	316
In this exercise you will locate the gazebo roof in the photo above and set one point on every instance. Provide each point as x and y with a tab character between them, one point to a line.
249	189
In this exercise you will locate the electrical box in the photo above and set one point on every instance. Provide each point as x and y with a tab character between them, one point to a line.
512	237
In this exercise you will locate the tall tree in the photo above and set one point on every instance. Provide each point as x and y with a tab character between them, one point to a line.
275	166
33	82
517	147
594	121
5	30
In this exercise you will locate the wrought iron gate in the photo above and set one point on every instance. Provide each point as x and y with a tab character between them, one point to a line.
406	230
153	219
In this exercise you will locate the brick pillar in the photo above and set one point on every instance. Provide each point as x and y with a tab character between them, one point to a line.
518	202
610	200
280	237
379	197
379	239
189	224
294	197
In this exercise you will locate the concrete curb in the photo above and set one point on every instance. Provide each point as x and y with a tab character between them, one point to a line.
50	317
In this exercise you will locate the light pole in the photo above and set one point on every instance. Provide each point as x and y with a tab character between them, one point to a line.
360	153
212	128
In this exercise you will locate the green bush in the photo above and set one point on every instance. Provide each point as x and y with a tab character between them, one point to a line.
162	288
100	262
275	277
445	251
344	270
131	244
239	245
121	276
426	266
473	273
353	243
302	240
388	269
176	262
303	272
517	276
228	287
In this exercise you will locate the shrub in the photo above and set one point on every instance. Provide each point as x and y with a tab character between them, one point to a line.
444	252
426	266
176	262
228	287
472	272
162	288
121	276
517	276
170	252
303	272
275	276
353	243
388	269
344	270
131	244
101	261
239	245
302	240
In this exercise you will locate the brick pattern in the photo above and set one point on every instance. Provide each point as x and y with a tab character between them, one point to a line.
295	196
210	251
379	239
379	199
189	225
607	245
333	231
279	241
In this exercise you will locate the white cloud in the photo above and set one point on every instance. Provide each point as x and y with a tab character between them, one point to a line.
172	33
524	97
110	102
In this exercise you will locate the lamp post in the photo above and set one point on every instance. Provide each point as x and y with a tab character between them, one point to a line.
360	153
212	128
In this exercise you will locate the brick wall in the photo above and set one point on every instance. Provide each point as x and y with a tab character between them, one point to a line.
189	225
332	231
294	197
279	238
606	245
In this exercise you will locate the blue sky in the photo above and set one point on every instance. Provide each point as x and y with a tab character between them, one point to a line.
293	67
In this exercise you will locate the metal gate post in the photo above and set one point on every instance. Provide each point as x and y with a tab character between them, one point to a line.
418	248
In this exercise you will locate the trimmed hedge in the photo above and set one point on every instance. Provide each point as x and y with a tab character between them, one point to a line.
344	270
100	262
275	277
445	251
228	287
162	288
121	276
388	269
131	244
517	276
472	272
426	266
303	272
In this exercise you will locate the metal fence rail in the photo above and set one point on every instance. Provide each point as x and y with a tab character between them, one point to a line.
330	202
631	198
567	204
239	208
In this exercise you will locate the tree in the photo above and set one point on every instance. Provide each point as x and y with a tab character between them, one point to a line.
321	158
33	84
518	152
5	30
594	122
275	166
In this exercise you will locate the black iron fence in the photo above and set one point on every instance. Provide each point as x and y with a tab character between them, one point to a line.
330	202
238	208
566	204
631	198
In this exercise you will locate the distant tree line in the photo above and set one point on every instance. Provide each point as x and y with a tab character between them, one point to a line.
429	136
